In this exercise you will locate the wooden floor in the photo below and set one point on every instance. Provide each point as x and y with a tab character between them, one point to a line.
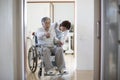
84	75
72	73
69	60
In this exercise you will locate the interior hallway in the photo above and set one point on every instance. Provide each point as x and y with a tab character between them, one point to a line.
12	29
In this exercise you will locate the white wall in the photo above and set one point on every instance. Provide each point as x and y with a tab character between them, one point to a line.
6	41
85	34
64	11
35	13
10	40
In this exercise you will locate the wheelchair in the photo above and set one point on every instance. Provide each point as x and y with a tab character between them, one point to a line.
35	54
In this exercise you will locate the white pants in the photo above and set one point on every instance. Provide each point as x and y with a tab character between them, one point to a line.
59	58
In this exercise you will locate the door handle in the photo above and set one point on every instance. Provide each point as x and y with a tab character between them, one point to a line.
98	30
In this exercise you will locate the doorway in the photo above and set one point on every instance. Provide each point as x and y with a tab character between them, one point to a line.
58	11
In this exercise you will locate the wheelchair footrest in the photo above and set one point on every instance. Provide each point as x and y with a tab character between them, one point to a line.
51	74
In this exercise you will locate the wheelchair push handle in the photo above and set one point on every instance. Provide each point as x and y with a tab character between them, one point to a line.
33	33
33	39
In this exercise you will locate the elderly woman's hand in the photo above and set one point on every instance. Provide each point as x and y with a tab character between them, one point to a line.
60	43
47	35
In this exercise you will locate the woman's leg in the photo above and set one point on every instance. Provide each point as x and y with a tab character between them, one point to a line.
59	58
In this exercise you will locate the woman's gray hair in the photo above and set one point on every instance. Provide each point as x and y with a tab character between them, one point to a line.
44	19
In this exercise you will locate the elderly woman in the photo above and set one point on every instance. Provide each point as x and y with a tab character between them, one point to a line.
46	36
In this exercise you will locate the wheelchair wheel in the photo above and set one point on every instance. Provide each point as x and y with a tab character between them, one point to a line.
32	59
